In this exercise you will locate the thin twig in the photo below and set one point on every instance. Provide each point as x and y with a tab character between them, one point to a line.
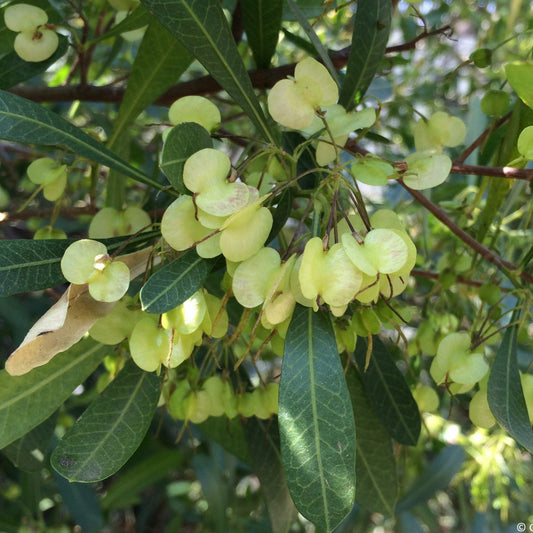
487	254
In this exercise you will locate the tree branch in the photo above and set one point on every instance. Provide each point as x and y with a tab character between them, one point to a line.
261	79
487	254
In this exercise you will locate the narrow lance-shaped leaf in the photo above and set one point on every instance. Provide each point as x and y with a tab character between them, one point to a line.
175	282
159	63
82	503
262	21
389	393
26	401
29	453
27	122
264	447
376	486
370	35
111	428
504	390
436	476
316	422
317	43
200	25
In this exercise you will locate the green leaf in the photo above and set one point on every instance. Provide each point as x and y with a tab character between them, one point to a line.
229	434
262	21
26	122
28	400
183	140
214	489
310	8
264	448
370	35
202	28
520	78
498	188
82	503
376	486
15	70
389	393
28	265
125	489
316	422
138	18
504	391
111	428
410	524
175	282
436	476
159	63
29	453
317	43
281	213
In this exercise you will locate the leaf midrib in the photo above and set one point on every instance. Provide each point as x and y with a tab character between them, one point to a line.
129	169
170	287
19	266
312	389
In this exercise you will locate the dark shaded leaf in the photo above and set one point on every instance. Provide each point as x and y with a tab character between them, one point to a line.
262	21
229	434
389	393
370	35
82	503
182	141
436	476
504	391
126	489
264	448
29	453
376	486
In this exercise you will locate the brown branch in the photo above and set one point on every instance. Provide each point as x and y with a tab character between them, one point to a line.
68	212
261	79
496	172
487	254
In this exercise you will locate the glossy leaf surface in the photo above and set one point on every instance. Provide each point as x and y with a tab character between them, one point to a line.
24	121
111	428
174	283
202	28
317	430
